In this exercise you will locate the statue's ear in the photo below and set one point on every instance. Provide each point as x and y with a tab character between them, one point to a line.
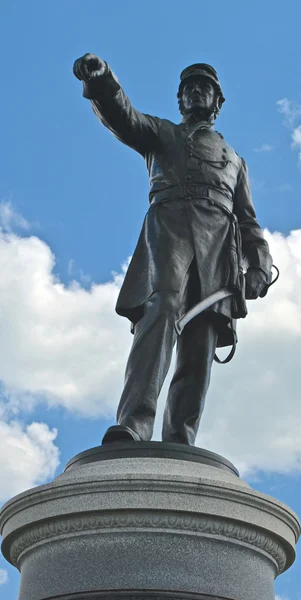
220	101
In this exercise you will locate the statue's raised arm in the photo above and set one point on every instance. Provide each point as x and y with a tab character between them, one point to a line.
112	106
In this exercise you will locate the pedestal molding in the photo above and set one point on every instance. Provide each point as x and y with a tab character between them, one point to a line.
91	524
247	497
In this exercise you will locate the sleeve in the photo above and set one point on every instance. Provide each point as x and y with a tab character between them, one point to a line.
254	247
115	111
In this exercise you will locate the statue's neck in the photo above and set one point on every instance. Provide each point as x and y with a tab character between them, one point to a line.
198	117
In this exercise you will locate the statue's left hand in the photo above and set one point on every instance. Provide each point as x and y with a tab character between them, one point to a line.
256	280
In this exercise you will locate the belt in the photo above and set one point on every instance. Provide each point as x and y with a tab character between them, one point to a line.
193	192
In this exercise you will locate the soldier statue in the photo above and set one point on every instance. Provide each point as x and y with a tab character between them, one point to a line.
200	237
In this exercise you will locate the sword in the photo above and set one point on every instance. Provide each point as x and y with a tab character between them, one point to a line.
200	307
216	297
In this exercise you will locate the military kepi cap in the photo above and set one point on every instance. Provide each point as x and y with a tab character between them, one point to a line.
201	70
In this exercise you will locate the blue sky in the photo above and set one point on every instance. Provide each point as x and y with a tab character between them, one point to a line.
72	200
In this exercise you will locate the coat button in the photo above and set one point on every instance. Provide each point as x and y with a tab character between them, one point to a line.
188	198
188	177
190	154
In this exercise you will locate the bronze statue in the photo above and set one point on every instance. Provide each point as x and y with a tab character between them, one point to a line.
200	244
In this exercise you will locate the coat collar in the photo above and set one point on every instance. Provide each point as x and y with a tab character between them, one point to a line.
192	121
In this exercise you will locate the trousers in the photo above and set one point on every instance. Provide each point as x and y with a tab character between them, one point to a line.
149	361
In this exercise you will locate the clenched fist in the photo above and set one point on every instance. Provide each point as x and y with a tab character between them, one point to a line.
89	67
256	281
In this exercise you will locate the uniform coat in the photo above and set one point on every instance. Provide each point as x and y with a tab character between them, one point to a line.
199	191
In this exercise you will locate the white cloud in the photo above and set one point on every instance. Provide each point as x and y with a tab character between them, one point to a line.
3	576
66	345
264	148
291	111
281	598
10	218
77	273
292	114
296	137
28	456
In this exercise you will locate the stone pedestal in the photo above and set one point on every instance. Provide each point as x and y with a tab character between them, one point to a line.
148	521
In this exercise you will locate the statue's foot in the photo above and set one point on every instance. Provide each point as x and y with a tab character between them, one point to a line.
120	433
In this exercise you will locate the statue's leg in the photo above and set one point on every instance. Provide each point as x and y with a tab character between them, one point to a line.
148	363
186	397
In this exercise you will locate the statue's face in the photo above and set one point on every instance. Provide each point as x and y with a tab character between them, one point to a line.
198	94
